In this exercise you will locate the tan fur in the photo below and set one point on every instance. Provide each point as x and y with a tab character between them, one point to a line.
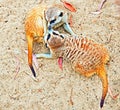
86	56
36	26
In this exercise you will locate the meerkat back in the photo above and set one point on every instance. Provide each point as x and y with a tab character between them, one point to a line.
88	58
34	24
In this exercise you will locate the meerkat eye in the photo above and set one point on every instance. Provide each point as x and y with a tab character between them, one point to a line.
61	14
52	21
55	33
48	37
62	36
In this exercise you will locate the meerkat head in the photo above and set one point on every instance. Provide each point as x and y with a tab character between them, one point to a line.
53	16
55	40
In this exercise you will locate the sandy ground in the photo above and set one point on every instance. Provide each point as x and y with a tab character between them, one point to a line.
55	88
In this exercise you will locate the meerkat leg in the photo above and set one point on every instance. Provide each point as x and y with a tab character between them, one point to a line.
89	74
44	55
68	29
67	26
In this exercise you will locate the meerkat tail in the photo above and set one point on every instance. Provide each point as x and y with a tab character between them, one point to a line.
103	76
30	46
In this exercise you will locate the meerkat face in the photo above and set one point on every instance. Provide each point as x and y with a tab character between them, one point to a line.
53	15
55	40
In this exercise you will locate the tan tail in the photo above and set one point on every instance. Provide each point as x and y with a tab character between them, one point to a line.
103	76
30	47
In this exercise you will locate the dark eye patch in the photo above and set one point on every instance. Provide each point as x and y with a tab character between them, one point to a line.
52	21
61	14
48	37
61	36
55	33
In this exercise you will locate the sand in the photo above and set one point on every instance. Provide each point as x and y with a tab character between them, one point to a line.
56	89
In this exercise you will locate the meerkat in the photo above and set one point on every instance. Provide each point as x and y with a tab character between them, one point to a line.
85	55
39	21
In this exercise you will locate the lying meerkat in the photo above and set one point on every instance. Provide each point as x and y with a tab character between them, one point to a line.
37	25
86	56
